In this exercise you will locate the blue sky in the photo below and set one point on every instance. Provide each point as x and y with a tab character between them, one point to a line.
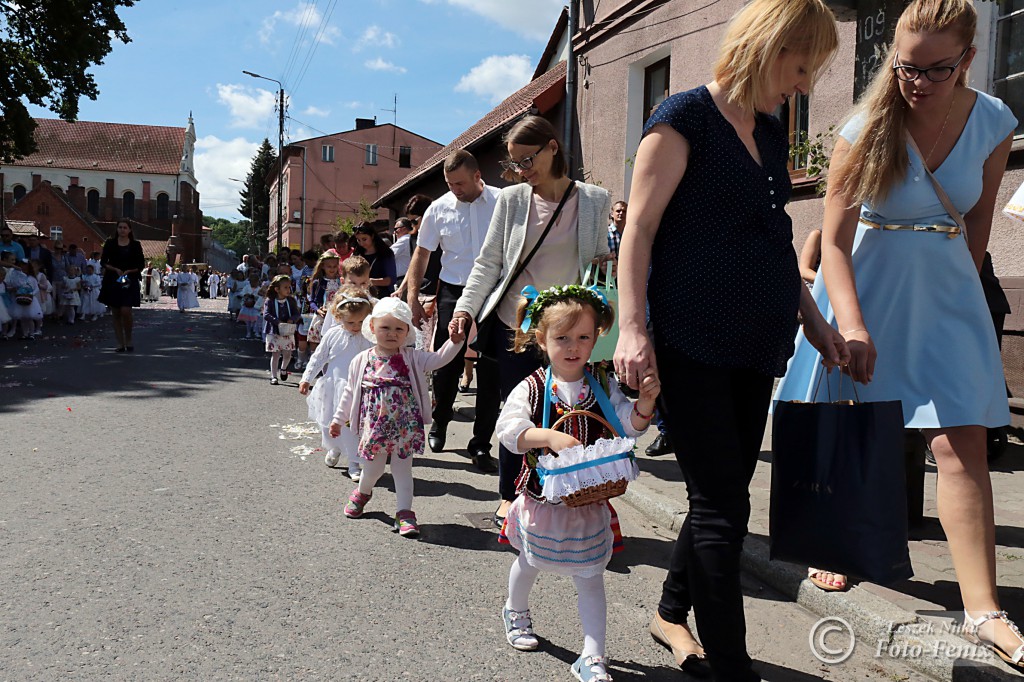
449	62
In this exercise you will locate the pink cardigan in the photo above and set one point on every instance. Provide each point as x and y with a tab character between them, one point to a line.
419	362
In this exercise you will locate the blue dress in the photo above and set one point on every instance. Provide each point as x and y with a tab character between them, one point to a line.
921	295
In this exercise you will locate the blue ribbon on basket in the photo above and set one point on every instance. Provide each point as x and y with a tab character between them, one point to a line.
543	473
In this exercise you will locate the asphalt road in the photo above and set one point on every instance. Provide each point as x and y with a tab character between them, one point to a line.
163	517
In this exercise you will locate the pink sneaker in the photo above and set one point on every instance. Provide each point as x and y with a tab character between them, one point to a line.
405	524
356	502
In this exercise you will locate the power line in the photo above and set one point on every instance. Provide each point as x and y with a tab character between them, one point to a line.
300	30
316	42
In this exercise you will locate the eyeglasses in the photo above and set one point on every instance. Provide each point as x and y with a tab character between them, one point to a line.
524	164
936	74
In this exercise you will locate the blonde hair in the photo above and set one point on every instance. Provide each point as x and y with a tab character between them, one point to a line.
878	159
355	265
562	314
342	304
756	37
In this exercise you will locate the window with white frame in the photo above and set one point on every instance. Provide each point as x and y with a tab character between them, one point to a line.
327	153
56	232
371	155
1008	58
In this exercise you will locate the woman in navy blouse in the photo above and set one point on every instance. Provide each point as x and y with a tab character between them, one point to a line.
707	214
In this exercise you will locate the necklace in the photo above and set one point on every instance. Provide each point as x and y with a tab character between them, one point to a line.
941	130
558	402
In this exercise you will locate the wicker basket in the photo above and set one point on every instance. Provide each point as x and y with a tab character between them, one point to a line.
595	493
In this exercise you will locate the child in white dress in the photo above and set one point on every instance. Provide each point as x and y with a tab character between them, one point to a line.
70	300
332	356
22	285
91	308
250	315
388	400
45	289
236	293
564	323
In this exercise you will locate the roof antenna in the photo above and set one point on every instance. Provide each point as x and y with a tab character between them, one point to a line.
394	111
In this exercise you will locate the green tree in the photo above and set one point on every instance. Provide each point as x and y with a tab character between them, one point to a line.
46	49
256	198
234	236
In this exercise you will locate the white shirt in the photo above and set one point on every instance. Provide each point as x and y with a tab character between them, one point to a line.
403	254
459	229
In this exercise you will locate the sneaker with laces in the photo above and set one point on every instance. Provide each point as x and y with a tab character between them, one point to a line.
405	524
331	458
356	502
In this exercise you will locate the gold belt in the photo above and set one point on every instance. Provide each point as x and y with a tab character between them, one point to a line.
950	232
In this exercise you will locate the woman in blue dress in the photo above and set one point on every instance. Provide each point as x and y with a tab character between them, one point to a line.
900	279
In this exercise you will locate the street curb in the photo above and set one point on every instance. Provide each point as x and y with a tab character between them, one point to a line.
876	622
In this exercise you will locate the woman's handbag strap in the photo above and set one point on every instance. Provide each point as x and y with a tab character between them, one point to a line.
957	217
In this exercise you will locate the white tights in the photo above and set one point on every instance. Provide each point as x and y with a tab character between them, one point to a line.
401	472
590	601
279	359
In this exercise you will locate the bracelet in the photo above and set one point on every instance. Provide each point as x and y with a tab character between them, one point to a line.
645	417
851	331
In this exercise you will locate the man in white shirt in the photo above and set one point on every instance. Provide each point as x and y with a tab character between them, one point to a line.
457	222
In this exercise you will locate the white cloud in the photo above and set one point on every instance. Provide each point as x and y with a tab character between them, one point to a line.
216	161
497	77
304	15
379	64
355	104
315	111
249	107
534	19
375	36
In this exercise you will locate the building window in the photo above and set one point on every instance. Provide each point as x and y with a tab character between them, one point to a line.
1008	75
19	193
795	115
56	232
128	205
162	203
371	155
92	202
655	86
327	153
405	157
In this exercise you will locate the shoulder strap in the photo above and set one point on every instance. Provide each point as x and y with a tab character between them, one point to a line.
957	217
521	268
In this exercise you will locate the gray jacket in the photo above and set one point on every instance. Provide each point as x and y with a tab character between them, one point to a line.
503	246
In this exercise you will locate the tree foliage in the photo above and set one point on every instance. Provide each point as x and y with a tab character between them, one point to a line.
255	197
46	47
234	236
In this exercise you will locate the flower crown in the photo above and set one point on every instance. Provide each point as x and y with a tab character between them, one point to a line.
538	300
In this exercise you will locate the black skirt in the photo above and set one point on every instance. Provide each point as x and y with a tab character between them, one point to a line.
116	296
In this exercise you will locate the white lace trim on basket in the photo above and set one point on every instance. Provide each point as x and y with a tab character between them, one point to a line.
558	483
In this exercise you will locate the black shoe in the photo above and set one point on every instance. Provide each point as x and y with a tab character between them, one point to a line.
437	437
120	349
483	461
130	349
662	445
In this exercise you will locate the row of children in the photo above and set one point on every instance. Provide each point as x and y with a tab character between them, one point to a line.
372	403
27	296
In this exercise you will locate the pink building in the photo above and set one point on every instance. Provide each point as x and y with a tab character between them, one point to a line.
325	178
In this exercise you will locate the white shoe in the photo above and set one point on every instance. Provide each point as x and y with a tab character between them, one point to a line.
331	458
355	474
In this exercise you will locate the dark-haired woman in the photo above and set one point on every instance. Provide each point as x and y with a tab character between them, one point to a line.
576	213
371	246
122	261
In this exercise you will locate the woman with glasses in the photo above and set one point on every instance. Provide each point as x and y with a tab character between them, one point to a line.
901	274
565	221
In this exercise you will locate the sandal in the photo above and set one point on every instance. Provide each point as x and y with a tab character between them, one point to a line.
591	669
972	625
691	662
519	630
812	574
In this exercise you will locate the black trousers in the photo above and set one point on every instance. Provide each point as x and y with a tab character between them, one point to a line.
446	379
716	418
495	380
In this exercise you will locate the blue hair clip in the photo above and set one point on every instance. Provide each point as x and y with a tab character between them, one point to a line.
530	293
599	294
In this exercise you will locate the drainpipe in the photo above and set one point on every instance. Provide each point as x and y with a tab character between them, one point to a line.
302	206
570	90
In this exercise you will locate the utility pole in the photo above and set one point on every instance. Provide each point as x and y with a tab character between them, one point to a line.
280	151
570	92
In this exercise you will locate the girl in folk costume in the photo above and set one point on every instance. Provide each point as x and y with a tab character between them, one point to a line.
564	322
387	398
188	285
45	289
70	300
250	315
24	288
326	279
280	318
91	308
236	291
337	349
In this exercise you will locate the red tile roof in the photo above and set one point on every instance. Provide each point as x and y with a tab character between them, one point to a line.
88	145
514	106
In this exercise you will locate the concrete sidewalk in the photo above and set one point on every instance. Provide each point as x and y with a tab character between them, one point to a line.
917	612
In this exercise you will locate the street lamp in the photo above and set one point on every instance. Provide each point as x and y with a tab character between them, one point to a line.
252	215
280	149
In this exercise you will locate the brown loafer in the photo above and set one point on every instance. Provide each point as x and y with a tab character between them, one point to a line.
692	662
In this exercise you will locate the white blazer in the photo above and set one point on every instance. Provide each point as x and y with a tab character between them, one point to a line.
506	236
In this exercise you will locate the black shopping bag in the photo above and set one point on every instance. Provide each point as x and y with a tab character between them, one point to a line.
838	499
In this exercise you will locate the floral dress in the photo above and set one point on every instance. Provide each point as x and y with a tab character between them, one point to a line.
389	419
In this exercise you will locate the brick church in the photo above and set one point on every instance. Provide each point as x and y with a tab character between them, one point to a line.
86	175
